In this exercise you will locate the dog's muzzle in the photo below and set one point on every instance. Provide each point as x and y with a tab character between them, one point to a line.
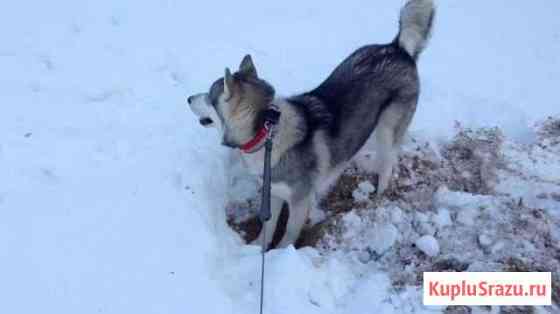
199	106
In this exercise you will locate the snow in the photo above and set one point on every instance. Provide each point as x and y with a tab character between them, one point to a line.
442	218
383	237
361	194
484	240
397	215
428	245
447	198
112	195
423	224
467	216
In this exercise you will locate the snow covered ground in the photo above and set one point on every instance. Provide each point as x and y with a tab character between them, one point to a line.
112	196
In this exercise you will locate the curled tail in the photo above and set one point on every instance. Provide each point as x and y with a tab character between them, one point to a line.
415	23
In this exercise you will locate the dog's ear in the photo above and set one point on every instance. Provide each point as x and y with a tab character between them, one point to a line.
228	83
247	67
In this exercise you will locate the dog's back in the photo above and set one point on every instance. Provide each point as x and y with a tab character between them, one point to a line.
375	88
360	89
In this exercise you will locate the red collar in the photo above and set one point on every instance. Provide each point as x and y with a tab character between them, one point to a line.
271	117
257	142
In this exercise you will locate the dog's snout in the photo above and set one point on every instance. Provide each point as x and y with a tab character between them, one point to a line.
190	99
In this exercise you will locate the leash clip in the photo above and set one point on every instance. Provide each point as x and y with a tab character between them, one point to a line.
271	118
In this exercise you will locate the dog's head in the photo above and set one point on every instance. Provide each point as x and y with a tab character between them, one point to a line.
234	104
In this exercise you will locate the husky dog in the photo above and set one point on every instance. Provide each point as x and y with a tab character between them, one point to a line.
373	91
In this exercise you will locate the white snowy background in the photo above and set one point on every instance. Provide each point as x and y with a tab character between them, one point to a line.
112	196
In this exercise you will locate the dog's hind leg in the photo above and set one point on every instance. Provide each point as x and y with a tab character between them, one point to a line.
389	134
299	212
385	158
275	210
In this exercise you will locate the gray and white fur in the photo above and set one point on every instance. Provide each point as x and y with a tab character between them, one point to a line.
373	91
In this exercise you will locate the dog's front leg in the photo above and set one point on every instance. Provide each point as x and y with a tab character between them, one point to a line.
299	212
275	210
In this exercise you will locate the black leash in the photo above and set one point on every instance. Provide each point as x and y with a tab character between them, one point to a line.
271	117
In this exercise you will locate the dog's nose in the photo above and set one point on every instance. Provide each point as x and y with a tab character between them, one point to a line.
205	121
190	99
